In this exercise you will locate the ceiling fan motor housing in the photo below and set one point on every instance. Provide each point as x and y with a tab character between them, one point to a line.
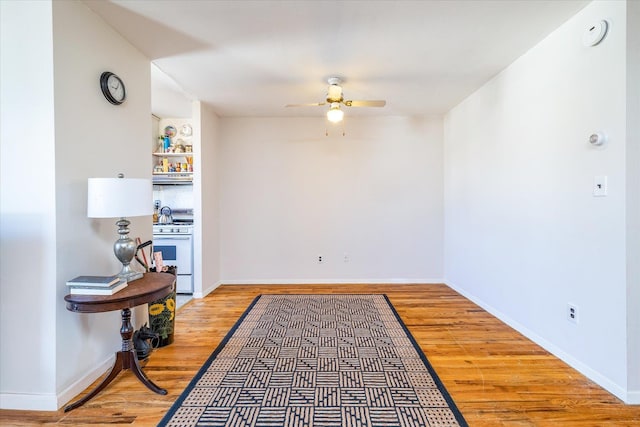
334	93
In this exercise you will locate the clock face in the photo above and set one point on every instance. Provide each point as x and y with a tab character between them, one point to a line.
116	88
112	88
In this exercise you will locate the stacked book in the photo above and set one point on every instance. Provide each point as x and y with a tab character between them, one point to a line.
96	285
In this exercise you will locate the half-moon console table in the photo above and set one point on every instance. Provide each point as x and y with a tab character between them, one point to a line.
151	287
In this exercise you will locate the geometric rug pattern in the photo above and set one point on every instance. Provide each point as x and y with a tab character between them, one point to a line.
316	361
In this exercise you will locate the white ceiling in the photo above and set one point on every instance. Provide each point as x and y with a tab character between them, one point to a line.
250	58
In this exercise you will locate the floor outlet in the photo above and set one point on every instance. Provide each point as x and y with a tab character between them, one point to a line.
572	313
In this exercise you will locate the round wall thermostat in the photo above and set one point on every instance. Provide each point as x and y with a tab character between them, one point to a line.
597	138
595	33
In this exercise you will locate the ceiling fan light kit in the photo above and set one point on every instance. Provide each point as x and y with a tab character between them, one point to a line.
335	98
335	114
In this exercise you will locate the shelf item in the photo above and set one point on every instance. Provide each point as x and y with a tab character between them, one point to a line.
177	167
186	154
173	164
173	174
170	131
186	130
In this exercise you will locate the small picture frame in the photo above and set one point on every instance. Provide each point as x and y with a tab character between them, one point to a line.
157	259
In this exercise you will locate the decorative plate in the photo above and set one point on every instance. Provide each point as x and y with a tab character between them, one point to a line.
186	130
170	131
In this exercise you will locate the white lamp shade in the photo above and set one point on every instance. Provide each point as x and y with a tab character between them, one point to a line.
119	197
335	115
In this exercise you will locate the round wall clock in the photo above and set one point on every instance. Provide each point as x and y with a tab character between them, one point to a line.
112	88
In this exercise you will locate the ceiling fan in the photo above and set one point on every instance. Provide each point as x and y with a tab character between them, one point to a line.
335	98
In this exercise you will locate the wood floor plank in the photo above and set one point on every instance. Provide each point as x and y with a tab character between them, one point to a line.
496	376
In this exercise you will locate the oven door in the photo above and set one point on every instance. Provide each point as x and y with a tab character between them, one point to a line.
176	250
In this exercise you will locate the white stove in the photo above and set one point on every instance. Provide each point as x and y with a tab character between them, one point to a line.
175	241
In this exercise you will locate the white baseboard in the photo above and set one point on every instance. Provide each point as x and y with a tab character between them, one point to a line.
50	401
595	376
85	381
420	281
633	398
29	402
207	291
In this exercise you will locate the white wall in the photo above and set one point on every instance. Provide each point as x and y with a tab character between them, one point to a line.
633	198
93	139
62	143
207	200
523	234
27	206
290	194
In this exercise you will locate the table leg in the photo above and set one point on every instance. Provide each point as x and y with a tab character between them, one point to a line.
125	359
134	365
115	370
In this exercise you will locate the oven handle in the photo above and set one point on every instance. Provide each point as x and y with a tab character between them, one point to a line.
165	237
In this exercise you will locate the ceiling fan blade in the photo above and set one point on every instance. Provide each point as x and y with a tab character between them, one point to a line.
315	104
378	103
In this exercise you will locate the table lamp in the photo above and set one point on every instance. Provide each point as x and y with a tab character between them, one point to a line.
120	198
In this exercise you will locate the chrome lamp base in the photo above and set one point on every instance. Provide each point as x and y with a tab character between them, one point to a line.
129	276
125	249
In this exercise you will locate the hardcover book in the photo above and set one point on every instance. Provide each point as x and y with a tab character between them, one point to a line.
90	290
94	281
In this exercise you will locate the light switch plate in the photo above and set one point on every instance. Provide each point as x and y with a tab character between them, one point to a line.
600	186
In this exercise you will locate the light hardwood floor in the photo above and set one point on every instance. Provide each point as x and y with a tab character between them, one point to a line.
496	376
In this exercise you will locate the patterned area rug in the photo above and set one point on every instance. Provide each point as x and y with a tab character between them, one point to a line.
316	361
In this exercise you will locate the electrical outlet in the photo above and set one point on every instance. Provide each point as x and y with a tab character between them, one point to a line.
600	186
320	260
346	258
572	313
